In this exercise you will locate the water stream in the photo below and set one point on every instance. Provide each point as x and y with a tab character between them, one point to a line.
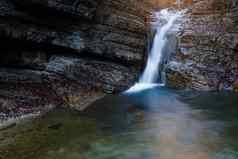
150	77
157	123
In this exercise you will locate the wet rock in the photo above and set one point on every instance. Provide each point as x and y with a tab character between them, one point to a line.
176	75
235	86
55	126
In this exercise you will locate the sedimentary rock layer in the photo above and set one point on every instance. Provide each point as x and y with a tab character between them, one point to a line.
206	57
93	45
112	31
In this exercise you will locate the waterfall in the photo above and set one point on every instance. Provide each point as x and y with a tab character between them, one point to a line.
150	75
178	3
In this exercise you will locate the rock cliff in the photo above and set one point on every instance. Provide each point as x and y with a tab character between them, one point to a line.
206	57
68	50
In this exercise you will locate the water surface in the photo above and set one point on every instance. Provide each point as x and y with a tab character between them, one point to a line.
154	124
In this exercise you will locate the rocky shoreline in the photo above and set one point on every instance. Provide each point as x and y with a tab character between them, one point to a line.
20	101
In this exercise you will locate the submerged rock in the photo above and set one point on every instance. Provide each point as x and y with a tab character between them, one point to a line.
235	86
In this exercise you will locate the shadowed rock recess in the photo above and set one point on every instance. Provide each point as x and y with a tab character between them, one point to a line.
73	51
206	57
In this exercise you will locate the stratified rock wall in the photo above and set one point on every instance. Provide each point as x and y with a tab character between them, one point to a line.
111	32
207	58
68	52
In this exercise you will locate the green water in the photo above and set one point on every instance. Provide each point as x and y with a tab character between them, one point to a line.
154	124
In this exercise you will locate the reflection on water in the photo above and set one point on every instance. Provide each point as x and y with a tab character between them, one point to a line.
154	124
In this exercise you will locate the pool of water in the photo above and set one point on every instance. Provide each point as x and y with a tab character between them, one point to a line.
157	123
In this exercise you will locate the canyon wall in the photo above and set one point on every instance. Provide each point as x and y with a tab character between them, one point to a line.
206	57
55	51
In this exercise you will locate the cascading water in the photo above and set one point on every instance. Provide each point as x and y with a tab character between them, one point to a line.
150	75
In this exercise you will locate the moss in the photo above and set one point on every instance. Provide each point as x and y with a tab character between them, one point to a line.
236	87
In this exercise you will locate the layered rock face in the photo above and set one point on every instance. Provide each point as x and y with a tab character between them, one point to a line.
206	57
68	47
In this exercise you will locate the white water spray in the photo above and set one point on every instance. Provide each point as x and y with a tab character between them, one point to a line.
150	75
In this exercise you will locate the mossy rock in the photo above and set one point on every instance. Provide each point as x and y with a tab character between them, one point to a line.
235	86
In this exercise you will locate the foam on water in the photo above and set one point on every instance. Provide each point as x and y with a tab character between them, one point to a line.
143	86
